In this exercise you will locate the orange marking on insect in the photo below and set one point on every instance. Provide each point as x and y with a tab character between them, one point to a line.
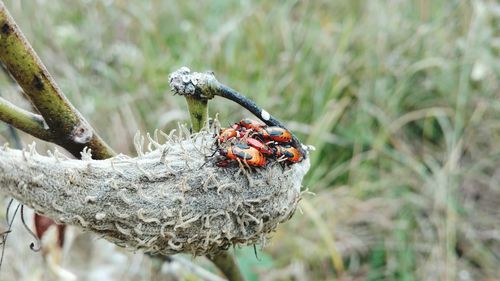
291	153
251	124
277	134
227	133
260	146
247	154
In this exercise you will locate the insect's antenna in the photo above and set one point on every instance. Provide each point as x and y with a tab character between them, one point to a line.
37	240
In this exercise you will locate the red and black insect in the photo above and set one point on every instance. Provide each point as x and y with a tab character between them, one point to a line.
245	153
291	153
251	124
252	142
276	134
260	146
227	134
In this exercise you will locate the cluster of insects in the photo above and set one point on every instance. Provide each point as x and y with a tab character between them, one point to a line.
253	143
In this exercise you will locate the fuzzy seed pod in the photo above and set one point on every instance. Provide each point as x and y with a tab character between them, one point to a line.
170	199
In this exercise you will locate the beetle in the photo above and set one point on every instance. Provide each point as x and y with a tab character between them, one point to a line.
291	153
245	153
276	134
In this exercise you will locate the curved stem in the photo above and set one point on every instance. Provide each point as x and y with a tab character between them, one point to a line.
268	119
228	93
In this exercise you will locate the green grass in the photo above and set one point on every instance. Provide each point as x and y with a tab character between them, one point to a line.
400	99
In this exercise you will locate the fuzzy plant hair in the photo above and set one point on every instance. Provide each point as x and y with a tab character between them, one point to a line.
171	198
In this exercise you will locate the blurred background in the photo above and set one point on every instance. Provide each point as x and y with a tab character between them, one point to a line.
400	98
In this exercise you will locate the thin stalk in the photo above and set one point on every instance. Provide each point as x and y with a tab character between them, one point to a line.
25	121
198	111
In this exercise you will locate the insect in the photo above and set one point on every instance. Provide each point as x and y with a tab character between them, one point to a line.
228	133
250	124
260	146
276	134
253	143
291	153
245	153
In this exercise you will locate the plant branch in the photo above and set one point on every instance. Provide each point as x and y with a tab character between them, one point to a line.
69	128
25	121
